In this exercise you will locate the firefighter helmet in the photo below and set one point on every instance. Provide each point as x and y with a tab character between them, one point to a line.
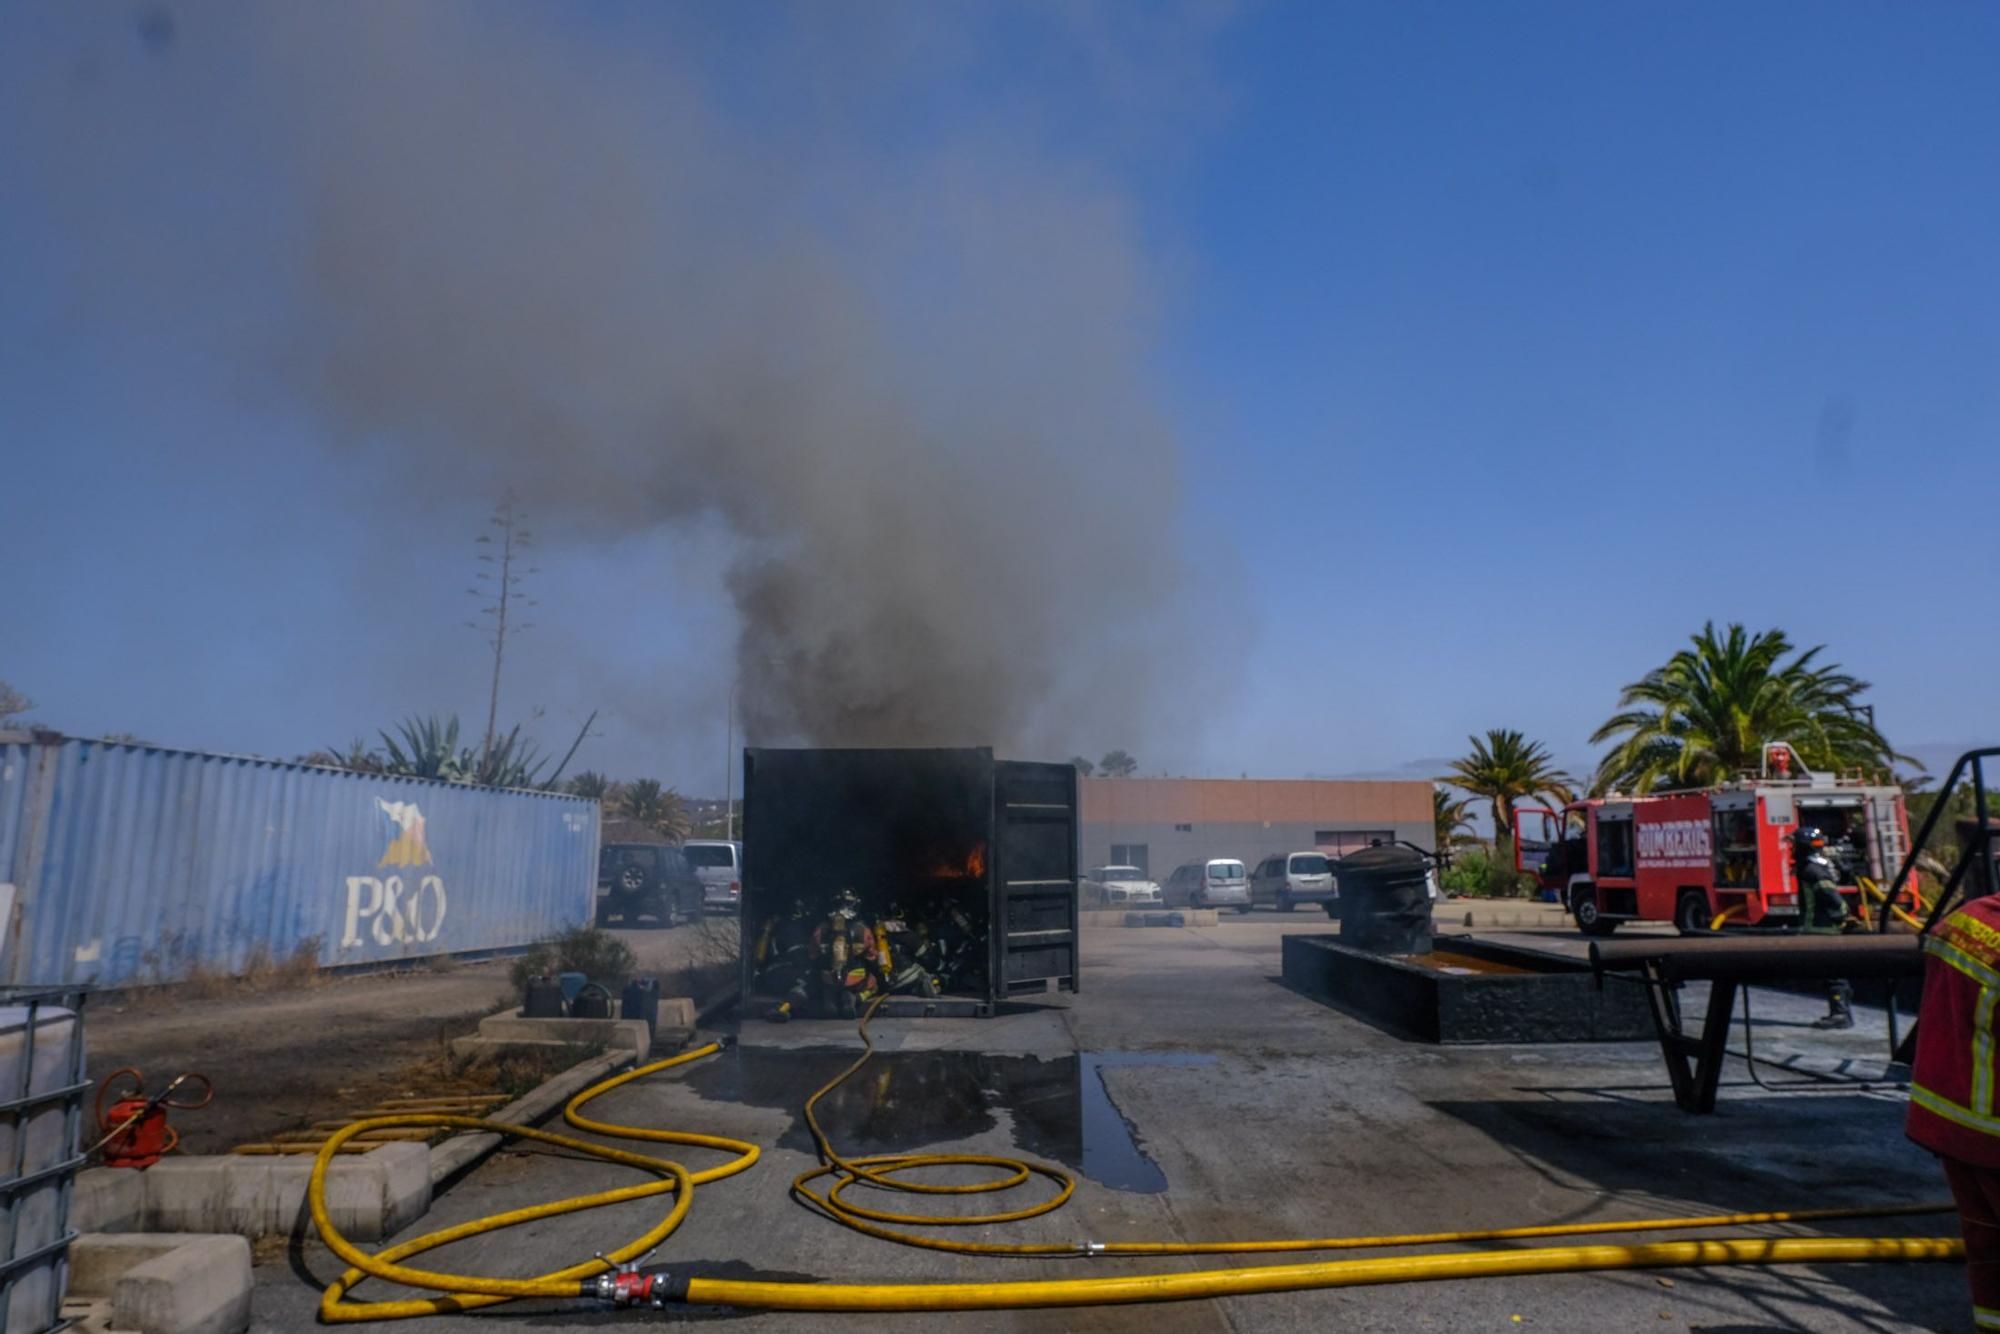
846	903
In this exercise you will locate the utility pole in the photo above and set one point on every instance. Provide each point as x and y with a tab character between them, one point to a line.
729	767
513	542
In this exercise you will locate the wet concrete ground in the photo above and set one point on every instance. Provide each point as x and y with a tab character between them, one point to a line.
1196	1097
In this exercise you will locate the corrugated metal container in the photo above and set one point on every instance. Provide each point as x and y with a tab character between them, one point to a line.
126	863
917	828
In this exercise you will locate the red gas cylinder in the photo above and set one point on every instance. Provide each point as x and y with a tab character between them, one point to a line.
134	1128
143	1140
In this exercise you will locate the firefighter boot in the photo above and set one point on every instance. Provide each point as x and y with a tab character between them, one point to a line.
1839	1010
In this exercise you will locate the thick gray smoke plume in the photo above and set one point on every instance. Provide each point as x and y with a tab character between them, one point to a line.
913	380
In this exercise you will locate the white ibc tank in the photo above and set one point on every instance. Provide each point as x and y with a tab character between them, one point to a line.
36	1138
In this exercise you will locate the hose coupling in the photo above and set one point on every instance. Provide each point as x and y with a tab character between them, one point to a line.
629	1285
626	1287
1092	1248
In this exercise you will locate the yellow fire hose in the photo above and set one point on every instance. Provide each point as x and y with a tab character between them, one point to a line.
1870	890
611	1277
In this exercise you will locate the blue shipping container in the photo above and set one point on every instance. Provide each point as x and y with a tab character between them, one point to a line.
128	863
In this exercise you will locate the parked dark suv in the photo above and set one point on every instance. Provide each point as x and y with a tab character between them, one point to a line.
636	880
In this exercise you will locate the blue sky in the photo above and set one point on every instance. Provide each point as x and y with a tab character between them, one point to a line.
1500	346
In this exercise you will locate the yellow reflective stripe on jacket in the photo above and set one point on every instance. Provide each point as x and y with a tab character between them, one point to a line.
1983	1039
1979	972
1982	1052
1985	1317
1942	1106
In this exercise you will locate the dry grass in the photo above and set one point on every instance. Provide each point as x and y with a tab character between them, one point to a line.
514	1072
714	958
181	973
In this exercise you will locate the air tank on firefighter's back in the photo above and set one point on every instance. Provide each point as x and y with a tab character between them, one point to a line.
1385	905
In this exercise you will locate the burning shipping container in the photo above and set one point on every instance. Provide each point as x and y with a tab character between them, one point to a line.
959	844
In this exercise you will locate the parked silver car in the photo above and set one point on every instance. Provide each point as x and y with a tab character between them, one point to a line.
1283	879
1220	882
719	864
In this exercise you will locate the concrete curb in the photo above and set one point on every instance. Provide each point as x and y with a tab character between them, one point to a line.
499	1033
461	1152
109	1199
370	1196
165	1283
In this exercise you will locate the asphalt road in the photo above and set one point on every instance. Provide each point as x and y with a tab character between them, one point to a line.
1197	1097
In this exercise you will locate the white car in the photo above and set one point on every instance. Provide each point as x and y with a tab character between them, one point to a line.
1123	886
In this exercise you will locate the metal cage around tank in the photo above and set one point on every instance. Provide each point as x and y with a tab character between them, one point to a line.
42	1088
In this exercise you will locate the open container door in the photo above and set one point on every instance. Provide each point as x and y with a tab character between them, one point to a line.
1034	871
1537	830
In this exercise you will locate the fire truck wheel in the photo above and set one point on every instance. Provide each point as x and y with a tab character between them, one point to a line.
1583	907
1691	914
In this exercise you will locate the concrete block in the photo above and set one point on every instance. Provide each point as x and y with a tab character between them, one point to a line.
108	1199
210	1194
165	1283
97	1260
369	1196
501	1031
200	1287
677	1012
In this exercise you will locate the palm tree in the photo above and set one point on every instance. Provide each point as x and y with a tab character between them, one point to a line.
590	784
1711	709
1451	820
1117	764
658	808
1505	768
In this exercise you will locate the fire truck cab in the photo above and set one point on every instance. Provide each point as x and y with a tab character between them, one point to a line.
1688	857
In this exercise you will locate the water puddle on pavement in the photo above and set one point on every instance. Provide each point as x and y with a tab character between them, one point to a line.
1058	1108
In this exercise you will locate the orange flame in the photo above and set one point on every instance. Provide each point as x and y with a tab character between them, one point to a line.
973	868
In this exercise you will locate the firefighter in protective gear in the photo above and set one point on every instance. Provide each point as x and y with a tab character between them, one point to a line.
784	957
844	948
1952	1081
899	945
1822	910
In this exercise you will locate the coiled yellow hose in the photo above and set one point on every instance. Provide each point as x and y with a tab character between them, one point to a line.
1870	890
886	1172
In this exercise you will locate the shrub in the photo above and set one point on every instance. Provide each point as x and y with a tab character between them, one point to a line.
598	955
1476	873
1467	875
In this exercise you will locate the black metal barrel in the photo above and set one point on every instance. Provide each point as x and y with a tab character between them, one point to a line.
1385	905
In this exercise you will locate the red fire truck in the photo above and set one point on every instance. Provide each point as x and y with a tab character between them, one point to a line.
1688	857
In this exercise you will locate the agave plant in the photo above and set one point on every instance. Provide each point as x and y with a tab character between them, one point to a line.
429	748
424	748
354	757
